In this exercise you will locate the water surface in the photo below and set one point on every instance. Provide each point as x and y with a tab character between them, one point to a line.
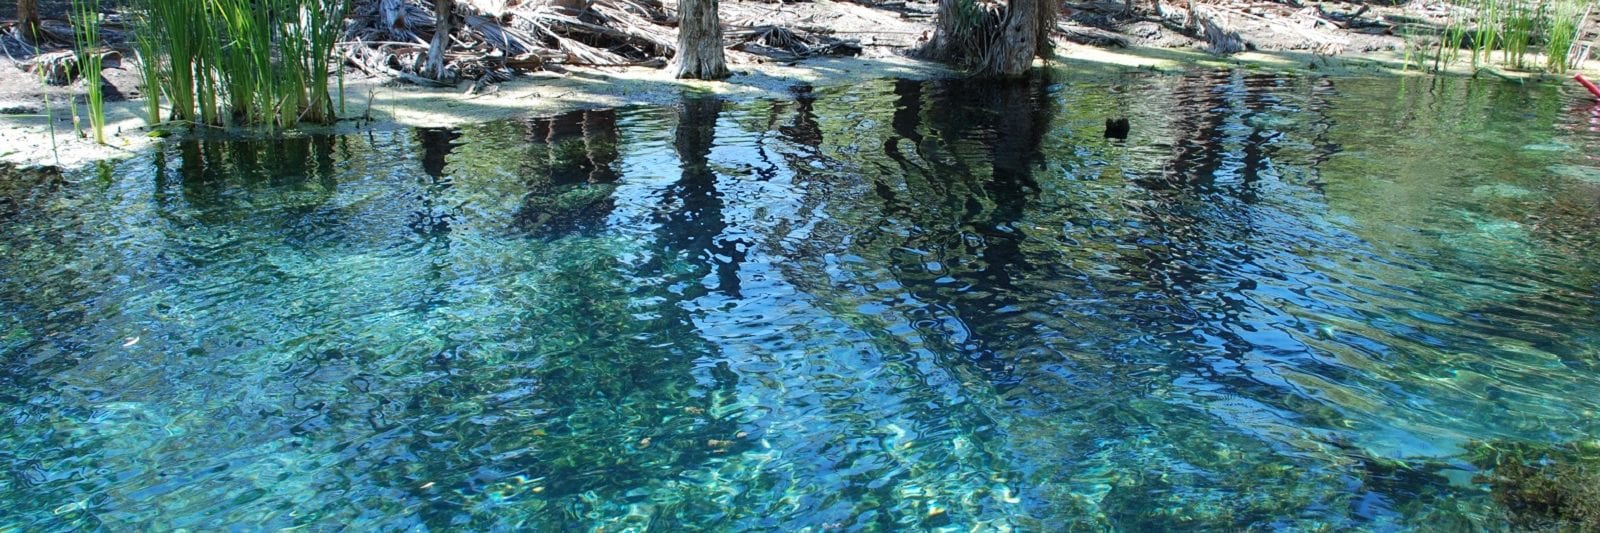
896	305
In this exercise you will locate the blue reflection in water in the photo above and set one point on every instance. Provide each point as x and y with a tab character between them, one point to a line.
898	305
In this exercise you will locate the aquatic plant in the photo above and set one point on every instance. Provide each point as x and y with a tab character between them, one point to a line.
262	62
1542	485
145	49
86	37
1561	34
169	33
1516	28
49	115
1519	24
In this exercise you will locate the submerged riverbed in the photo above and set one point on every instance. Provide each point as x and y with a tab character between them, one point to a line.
900	304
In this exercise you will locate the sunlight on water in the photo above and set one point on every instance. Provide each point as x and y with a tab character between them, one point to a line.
1282	303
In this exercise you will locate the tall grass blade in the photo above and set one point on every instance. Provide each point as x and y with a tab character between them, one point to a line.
86	37
256	62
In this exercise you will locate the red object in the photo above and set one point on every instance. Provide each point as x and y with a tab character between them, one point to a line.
1587	85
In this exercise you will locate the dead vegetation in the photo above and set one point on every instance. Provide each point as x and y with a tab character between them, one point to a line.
489	41
1230	26
492	40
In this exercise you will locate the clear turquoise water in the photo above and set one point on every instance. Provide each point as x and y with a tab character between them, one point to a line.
896	305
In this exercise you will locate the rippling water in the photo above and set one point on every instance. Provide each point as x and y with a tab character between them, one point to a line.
902	304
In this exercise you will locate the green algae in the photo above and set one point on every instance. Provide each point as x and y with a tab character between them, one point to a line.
1542	486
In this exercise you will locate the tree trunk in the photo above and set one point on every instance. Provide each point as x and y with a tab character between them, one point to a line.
443	13
1012	53
1221	39
959	29
697	228
993	42
28	21
699	41
1045	24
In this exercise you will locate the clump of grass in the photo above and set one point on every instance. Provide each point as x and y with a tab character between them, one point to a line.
1516	28
49	113
86	37
1563	31
1491	26
1519	24
144	46
1450	44
252	61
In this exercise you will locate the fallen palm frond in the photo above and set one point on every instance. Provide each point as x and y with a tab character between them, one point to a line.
787	40
55	68
498	38
273	62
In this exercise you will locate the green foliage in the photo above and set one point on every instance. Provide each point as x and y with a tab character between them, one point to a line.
258	62
86	37
1542	485
1561	34
1519	24
50	115
1517	28
145	47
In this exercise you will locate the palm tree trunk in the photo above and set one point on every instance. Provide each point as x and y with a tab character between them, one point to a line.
993	42
699	41
28	20
1012	53
443	11
1045	24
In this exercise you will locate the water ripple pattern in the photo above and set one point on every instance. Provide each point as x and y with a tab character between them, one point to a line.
902	305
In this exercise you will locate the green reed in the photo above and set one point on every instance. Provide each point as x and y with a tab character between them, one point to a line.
1491	20
1519	25
86	37
1516	28
145	48
323	22
1562	33
49	114
176	51
252	61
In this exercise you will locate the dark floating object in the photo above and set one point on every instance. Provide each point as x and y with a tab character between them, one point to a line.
1117	128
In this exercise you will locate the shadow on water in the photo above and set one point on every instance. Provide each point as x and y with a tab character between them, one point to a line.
1279	302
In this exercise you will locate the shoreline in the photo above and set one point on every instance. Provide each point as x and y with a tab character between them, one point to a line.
383	102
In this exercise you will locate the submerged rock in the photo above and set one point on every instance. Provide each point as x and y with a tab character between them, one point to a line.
1579	172
1501	190
1547	147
